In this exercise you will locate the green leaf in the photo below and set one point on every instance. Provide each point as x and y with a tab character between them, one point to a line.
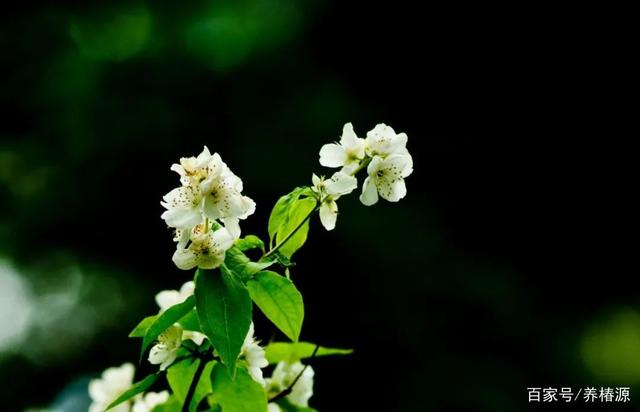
240	395
293	352
166	319
280	212
240	264
224	308
141	330
298	214
250	242
279	300
180	376
134	390
190	321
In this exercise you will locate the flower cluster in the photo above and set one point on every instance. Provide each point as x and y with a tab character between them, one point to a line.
112	383
385	156
205	210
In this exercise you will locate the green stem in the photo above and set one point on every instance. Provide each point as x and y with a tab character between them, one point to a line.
364	164
194	382
293	232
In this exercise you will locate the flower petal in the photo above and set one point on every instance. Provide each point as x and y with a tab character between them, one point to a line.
349	137
332	155
374	165
185	259
168	298
329	215
341	184
222	239
392	191
232	224
369	194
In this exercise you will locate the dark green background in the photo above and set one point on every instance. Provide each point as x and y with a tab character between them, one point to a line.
500	270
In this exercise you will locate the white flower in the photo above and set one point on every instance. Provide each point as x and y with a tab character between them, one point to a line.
206	250
209	188
223	199
346	154
284	375
254	356
198	170
383	141
149	401
386	177
164	352
184	207
329	191
168	298
113	383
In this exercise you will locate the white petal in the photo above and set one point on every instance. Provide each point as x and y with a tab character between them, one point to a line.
197	337
158	354
187	289
169	360
332	155
374	165
248	207
232	224
395	165
349	137
273	407
168	298
210	208
182	218
222	239
185	259
97	391
341	184
329	215
315	180
392	191
256	374
369	194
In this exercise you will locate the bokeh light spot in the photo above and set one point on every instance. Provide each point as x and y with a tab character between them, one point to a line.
610	348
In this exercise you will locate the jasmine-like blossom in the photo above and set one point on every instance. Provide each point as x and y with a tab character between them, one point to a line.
386	178
329	191
113	382
168	298
209	195
254	355
223	198
346	154
206	249
283	376
165	351
148	401
184	207
199	171
383	141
